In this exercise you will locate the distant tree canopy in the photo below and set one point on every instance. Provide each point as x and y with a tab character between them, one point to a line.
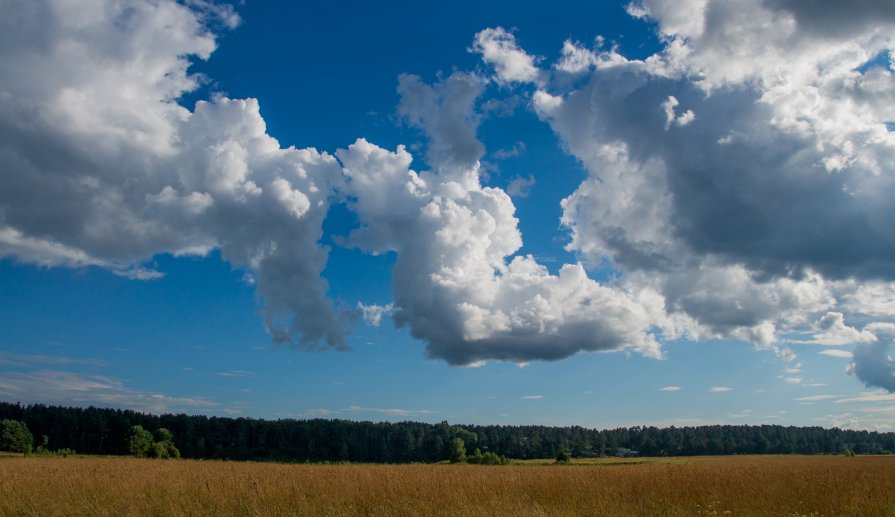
15	437
108	431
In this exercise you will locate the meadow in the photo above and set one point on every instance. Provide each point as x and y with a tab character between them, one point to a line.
732	485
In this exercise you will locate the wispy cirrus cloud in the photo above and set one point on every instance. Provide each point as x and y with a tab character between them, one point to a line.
14	359
815	398
869	397
81	389
236	373
842	354
396	412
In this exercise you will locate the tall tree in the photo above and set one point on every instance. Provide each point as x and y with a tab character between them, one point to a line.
15	437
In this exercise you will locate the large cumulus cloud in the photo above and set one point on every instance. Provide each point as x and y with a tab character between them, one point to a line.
743	171
101	166
739	180
456	283
105	168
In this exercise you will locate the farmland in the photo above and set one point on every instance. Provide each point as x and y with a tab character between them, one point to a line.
737	485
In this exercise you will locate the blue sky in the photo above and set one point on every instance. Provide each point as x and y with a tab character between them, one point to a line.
666	213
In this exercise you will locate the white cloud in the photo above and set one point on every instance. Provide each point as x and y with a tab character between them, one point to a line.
668	107
794	370
236	373
445	112
511	64
831	329
138	273
720	213
395	412
516	150
843	354
670	388
20	360
879	396
815	397
454	284
766	215
520	187
373	313
532	397
719	389
91	133
82	389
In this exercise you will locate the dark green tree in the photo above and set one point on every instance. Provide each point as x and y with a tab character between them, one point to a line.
563	456
162	434
15	437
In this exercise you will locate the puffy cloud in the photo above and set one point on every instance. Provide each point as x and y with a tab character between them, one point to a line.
764	215
457	283
455	286
446	112
103	167
511	64
739	181
828	18
831	329
668	107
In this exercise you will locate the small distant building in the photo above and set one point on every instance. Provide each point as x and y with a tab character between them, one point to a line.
623	452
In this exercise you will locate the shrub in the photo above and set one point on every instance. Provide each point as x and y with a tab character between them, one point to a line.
564	456
487	458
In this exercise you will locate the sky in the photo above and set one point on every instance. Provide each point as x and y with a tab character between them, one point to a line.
589	213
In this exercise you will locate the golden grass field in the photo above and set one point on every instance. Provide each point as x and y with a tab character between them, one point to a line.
739	485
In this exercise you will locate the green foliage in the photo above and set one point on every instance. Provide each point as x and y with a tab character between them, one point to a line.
164	451
106	431
563	456
64	453
15	437
458	451
163	435
486	458
158	450
139	442
849	453
44	443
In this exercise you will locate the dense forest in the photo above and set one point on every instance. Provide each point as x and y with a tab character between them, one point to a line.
104	431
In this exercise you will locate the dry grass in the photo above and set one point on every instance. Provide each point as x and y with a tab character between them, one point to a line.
750	485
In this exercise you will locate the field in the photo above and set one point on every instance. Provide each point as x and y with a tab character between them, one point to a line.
739	485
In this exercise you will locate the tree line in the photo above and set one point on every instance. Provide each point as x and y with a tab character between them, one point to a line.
109	431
